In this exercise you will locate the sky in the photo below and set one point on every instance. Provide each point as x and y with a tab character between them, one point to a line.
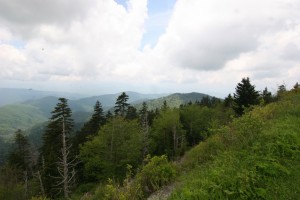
149	46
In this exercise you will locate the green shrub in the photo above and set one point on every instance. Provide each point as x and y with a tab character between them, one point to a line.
157	173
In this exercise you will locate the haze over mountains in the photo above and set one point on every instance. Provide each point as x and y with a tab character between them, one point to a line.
26	108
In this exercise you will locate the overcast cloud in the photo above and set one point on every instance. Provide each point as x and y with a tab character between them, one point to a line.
100	46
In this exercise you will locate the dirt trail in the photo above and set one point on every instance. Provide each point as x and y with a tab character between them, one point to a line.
163	193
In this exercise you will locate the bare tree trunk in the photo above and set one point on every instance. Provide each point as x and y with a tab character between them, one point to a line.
41	183
65	162
174	141
145	136
26	183
112	141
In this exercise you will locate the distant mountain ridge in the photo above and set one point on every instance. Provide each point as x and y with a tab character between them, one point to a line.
17	95
174	100
35	111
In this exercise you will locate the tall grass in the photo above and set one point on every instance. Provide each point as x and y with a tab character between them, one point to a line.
257	156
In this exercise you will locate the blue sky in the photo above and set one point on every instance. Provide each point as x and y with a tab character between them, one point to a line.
159	12
149	46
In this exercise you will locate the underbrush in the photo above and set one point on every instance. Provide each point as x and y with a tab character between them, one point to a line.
257	156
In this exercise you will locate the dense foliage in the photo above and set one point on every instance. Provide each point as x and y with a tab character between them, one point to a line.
245	147
254	157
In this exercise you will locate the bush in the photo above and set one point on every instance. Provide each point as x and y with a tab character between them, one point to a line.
157	173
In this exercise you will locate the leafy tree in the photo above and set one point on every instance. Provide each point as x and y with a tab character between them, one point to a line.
89	129
56	160
121	105
196	121
245	95
168	134
118	143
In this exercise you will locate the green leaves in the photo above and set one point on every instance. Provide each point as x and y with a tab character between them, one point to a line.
157	173
255	157
168	134
117	144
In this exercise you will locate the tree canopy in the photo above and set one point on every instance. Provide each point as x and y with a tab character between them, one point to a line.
121	105
245	95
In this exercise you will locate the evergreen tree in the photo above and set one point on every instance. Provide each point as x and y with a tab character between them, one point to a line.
144	121
206	101
267	96
55	157
20	155
164	106
91	128
108	116
131	113
245	95
121	105
296	86
228	101
281	91
4	151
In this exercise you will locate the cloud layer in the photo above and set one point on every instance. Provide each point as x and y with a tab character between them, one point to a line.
207	45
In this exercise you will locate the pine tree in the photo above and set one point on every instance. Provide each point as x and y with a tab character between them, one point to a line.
108	116
144	121
245	95
121	105
55	155
228	101
164	106
281	91
267	96
131	113
19	157
89	129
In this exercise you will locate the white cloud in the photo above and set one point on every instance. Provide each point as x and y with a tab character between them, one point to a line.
208	45
105	37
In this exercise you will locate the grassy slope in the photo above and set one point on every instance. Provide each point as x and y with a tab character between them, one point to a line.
255	157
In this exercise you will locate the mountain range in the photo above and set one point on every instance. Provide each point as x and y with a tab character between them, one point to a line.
29	109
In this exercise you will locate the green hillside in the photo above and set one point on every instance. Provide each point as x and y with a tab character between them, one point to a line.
18	116
257	156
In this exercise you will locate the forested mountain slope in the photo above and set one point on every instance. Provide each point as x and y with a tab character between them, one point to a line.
18	95
34	111
174	100
210	149
19	116
256	156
